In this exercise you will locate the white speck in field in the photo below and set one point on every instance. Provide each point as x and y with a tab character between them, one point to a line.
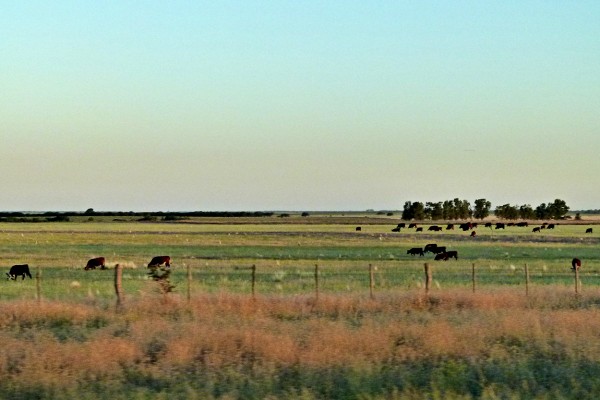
512	267
75	284
437	284
544	267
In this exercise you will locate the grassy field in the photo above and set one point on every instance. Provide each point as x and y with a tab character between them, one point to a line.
284	342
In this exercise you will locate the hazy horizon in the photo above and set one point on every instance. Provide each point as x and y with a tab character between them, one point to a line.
338	105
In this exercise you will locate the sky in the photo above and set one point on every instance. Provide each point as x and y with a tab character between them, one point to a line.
297	105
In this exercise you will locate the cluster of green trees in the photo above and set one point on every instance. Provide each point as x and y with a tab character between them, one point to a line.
458	209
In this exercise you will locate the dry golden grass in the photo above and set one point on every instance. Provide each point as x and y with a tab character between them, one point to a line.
61	345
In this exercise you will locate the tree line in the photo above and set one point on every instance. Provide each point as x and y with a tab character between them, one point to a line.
458	209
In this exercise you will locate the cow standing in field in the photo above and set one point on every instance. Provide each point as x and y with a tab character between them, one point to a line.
95	262
441	257
434	228
19	270
413	225
430	248
500	225
589	230
450	227
396	229
419	229
452	254
473	233
536	229
160	260
415	250
575	264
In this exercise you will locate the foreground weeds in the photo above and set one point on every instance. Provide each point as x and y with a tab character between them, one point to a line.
455	344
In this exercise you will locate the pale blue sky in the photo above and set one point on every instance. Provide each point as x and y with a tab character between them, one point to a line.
297	105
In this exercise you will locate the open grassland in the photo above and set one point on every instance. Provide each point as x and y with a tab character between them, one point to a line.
285	342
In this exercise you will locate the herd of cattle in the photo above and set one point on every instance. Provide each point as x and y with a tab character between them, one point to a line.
441	254
470	226
23	269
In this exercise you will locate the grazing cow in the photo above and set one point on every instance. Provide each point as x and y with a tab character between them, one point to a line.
575	264
434	228
536	229
474	225
160	260
452	254
510	224
488	224
396	229
401	225
439	249
500	225
450	227
412	225
19	270
550	226
589	230
419	229
473	233
522	224
430	248
415	250
358	228
440	257
95	262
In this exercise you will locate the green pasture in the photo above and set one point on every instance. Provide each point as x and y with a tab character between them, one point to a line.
220	255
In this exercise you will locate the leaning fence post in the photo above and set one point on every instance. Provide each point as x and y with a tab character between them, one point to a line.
428	278
526	280
371	281
38	284
316	282
253	279
118	285
473	276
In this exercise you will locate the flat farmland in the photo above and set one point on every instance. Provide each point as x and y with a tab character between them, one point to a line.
285	342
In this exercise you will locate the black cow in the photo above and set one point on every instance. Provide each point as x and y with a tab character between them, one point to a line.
434	228
95	262
500	225
550	226
488	224
396	229
589	230
536	229
19	270
575	264
412	225
439	249
430	248
160	260
522	224
415	250
452	254
473	233
401	225
441	257
450	227
419	229
358	228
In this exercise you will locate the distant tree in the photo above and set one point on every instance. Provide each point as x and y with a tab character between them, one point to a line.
541	211
482	208
578	217
526	212
434	210
506	211
407	211
558	209
413	210
448	210
89	211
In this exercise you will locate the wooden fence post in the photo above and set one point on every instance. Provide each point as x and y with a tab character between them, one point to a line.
119	285
316	282
189	282
38	284
428	278
371	281
473	277
526	280
253	279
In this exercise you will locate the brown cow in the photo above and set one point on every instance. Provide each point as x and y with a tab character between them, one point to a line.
160	260
473	233
95	262
575	264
